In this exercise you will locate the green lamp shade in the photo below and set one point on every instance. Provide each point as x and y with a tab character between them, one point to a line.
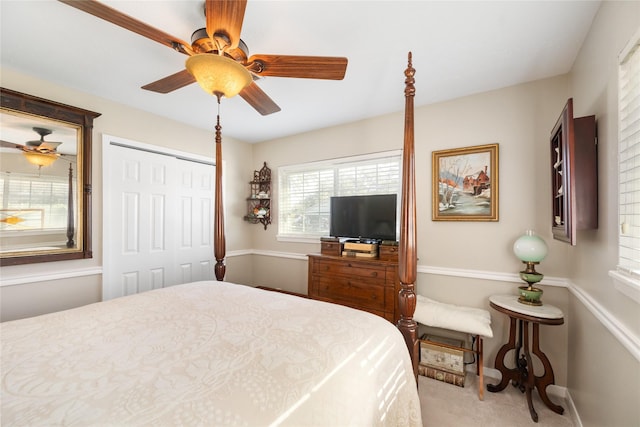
530	248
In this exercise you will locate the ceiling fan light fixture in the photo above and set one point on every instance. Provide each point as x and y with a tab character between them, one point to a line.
40	159
218	75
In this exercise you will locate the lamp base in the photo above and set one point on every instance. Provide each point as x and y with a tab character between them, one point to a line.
529	295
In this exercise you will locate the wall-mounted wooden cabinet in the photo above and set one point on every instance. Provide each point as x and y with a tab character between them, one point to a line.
574	175
259	200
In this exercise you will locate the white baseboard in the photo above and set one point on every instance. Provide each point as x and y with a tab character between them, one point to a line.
554	390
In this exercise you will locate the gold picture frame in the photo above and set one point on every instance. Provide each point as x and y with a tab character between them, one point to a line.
465	184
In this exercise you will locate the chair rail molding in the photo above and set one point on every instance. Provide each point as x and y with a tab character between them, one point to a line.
45	277
627	338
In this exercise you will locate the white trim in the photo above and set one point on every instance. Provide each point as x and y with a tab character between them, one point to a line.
425	269
59	275
297	239
623	334
572	410
240	252
488	275
626	279
625	284
622	56
496	375
318	165
341	160
107	141
289	255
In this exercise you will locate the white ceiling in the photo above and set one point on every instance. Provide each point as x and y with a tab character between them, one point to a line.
459	48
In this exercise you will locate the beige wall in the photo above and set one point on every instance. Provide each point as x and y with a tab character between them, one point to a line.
459	262
41	291
518	118
587	357
599	363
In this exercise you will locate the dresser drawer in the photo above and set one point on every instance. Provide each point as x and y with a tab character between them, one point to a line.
366	284
354	292
350	268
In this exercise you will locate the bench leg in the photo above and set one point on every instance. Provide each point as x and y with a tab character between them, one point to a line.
480	367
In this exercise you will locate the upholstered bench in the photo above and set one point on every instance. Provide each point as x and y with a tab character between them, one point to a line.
470	320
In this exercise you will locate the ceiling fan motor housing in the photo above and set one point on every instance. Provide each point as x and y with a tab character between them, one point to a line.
202	43
42	132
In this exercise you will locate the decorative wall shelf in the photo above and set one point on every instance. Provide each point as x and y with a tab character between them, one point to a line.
259	200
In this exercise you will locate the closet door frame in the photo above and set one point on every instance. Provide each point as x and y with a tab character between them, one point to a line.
180	257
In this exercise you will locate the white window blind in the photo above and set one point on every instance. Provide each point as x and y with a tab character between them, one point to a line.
629	158
40	202
304	191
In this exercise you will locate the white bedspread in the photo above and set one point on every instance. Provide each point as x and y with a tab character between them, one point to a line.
207	354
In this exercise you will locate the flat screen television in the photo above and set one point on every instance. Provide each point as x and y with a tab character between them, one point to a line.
371	217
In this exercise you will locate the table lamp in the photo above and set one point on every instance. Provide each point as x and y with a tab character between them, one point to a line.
530	249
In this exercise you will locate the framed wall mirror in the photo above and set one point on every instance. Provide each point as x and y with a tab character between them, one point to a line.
45	180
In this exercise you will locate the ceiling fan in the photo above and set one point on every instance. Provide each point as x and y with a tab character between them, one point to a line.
38	152
221	37
38	145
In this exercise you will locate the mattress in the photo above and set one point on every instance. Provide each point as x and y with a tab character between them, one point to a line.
207	353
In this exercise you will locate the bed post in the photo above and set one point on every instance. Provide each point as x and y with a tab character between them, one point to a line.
407	266
219	242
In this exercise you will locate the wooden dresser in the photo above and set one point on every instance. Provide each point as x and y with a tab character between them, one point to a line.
366	284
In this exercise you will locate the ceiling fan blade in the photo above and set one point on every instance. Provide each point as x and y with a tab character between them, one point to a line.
306	67
171	83
8	144
259	100
107	13
225	17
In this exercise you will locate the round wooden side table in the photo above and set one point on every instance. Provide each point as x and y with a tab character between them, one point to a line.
522	376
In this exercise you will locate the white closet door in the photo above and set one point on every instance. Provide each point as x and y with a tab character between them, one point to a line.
194	226
158	221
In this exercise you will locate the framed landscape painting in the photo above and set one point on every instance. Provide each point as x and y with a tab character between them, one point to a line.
465	184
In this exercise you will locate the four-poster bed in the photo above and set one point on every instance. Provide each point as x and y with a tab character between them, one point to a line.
218	353
407	251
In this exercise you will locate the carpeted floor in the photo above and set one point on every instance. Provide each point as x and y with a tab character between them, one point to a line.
445	405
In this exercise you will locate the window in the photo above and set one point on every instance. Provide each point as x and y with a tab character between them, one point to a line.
304	191
35	202
629	162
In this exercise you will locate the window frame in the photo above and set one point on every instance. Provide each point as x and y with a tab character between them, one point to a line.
282	171
626	278
53	182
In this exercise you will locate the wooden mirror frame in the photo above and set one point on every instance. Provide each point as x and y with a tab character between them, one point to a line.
13	101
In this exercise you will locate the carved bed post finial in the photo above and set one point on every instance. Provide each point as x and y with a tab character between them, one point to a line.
219	241
407	251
